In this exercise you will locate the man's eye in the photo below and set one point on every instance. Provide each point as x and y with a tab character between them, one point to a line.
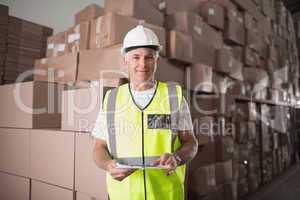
135	58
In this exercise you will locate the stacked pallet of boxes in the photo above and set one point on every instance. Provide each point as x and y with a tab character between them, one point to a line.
26	42
219	50
3	38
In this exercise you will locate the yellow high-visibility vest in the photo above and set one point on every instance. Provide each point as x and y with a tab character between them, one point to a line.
138	137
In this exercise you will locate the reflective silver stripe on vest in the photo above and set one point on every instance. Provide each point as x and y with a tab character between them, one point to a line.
173	100
138	160
110	118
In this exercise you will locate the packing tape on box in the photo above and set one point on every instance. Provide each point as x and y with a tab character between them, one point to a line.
211	11
73	37
61	47
198	30
50	46
162	5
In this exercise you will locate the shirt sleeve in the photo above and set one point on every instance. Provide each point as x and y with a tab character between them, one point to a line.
184	117
100	129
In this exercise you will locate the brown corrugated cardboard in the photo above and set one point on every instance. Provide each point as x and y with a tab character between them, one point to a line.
200	77
95	35
80	107
251	58
205	156
56	44
203	180
236	70
14	160
14	187
255	75
101	63
60	69
223	172
30	105
203	53
140	9
52	165
45	191
180	47
173	6
234	31
213	14
224	148
89	179
114	28
183	21
224	60
252	39
78	37
166	66
208	104
246	111
90	12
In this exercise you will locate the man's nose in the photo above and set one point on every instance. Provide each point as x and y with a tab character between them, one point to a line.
142	62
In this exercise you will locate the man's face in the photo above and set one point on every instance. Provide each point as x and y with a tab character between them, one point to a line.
141	64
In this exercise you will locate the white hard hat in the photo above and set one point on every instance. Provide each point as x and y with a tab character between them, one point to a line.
140	37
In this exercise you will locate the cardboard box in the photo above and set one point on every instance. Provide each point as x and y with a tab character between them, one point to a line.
255	75
101	63
253	39
223	172
80	107
205	156
236	70
208	104
60	69
183	21
224	60
203	180
169	71
95	34
30	105
203	53
90	12
213	14
180	47
114	28
78	37
14	160
246	111
251	58
140	9
14	187
234	31
89	179
40	190
200	77
57	45
172	6
52	165
224	148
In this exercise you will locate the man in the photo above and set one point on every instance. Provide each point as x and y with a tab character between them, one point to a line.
143	125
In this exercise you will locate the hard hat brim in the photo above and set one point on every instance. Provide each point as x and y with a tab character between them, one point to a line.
154	47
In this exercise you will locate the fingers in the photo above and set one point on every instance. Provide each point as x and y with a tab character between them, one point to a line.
118	173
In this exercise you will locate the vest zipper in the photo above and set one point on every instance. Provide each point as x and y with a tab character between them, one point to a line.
143	156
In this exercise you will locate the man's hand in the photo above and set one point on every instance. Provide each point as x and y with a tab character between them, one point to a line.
168	160
117	173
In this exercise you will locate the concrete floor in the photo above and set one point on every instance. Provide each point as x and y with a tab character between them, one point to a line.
285	187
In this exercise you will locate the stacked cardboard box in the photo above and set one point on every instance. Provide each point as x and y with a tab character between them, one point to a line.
26	42
220	51
3	38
